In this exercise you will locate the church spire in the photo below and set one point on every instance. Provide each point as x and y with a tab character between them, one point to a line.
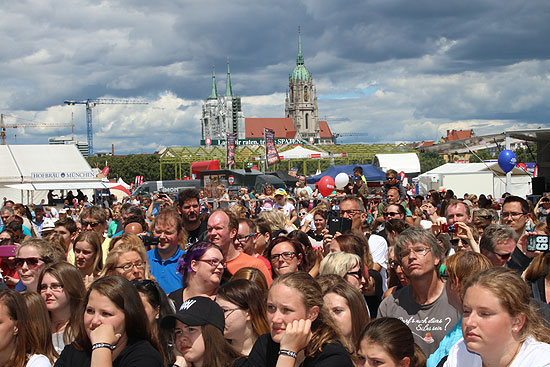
228	90
300	57
214	93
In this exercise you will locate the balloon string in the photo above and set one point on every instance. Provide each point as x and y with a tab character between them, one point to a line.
486	165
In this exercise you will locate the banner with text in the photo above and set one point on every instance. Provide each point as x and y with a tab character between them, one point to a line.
271	154
230	149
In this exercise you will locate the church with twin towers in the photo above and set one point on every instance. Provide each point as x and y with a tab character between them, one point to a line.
222	113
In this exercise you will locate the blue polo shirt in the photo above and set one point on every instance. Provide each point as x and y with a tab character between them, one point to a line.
165	270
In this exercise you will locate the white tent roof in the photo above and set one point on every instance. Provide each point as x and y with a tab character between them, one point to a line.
449	168
406	162
301	152
45	167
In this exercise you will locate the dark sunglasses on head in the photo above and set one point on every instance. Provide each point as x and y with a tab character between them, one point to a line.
32	262
487	217
91	224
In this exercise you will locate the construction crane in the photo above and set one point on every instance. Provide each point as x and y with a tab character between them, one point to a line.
30	123
91	103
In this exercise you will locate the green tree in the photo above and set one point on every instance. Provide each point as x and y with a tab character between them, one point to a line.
430	160
482	154
523	155
129	166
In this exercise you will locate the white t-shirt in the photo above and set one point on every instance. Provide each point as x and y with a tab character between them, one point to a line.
38	360
287	209
309	218
379	250
532	354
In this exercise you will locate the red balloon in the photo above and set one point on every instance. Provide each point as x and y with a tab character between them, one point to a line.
326	186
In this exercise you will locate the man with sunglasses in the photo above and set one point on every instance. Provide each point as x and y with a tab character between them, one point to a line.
423	304
498	243
393	182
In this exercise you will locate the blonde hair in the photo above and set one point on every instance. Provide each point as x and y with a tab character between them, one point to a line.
513	295
275	219
128	242
339	263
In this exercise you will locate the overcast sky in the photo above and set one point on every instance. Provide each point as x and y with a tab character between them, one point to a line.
391	70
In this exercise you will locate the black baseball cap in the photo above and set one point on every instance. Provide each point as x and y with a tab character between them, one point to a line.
196	311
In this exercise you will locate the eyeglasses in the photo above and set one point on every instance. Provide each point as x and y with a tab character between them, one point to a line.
486	217
394	264
503	257
511	214
302	214
245	238
391	214
127	267
391	178
229	311
32	262
213	262
55	287
350	212
91	224
287	256
421	251
4	217
357	274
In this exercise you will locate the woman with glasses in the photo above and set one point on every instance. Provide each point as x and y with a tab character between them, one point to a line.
62	289
113	329
396	276
157	306
243	304
198	334
19	345
87	253
302	332
32	256
286	255
201	269
127	259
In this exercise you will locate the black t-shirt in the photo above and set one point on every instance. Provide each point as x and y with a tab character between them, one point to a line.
265	354
373	302
198	234
136	354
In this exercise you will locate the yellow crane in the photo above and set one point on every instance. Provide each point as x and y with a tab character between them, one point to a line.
28	123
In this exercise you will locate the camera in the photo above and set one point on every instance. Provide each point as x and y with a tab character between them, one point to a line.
149	241
538	243
449	228
337	223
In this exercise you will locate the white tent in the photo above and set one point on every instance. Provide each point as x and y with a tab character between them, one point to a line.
406	162
475	178
300	152
29	171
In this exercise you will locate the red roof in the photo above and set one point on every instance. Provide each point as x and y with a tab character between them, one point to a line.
427	143
325	129
283	126
453	135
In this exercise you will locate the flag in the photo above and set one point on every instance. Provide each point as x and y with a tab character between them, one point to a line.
230	149
271	154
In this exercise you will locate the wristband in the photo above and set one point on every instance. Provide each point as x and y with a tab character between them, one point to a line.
103	345
288	353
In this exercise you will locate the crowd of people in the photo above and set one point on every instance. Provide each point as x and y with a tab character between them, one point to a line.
363	277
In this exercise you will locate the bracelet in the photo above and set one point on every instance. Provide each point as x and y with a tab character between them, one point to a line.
103	345
288	353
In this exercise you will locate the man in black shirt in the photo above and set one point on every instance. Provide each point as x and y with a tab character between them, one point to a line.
189	208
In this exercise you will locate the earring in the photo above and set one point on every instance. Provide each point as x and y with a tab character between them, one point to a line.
515	330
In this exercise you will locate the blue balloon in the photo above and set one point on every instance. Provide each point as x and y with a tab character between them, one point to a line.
507	160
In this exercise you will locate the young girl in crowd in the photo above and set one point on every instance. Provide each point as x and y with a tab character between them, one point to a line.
389	342
88	255
499	325
198	334
157	305
32	256
40	323
19	344
243	304
113	329
62	289
286	255
301	329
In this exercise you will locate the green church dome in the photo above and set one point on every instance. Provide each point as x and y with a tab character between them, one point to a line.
300	73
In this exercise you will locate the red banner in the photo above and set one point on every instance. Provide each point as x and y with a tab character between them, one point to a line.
271	154
230	149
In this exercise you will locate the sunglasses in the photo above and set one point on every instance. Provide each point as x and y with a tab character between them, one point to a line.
91	224
32	262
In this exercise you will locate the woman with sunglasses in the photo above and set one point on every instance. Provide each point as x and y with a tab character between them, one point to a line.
19	345
348	266
302	331
201	269
88	254
157	306
32	256
243	304
286	255
113	329
62	289
127	258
